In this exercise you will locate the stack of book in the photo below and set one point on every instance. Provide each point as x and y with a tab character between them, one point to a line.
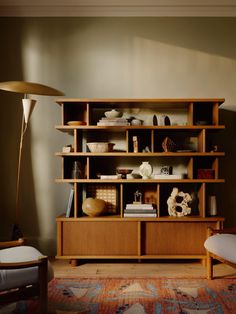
112	121
140	210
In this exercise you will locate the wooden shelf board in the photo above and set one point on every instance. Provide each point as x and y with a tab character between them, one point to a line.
106	101
139	181
142	127
130	154
158	219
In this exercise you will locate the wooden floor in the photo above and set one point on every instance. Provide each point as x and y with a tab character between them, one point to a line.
183	269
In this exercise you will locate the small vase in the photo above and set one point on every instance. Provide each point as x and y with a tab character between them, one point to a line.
145	170
212	205
76	171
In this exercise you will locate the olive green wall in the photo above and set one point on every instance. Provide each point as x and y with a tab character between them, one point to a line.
103	57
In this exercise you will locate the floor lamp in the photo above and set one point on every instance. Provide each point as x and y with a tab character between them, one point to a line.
25	88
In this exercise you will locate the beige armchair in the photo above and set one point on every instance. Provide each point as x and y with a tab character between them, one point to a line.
220	245
24	273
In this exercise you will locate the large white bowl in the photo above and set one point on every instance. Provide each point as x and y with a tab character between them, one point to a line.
100	147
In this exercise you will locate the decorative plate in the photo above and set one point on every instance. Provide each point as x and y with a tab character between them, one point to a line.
75	123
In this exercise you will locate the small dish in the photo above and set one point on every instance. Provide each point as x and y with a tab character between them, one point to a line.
123	172
76	123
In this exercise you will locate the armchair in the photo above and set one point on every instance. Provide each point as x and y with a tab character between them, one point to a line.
24	273
220	245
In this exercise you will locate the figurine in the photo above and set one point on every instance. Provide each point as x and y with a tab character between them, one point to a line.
168	145
135	144
167	170
178	203
137	197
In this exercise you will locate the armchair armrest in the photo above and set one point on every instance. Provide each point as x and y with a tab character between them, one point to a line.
7	244
231	230
24	291
41	262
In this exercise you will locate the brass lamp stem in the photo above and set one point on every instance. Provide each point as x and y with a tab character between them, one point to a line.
23	130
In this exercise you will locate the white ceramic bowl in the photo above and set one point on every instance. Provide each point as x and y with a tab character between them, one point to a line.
113	114
100	147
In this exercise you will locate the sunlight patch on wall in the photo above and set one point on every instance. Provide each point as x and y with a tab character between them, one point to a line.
165	71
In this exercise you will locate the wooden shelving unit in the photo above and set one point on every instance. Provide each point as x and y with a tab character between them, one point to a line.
194	123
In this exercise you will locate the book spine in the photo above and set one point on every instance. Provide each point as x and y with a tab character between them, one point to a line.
70	203
140	215
107	177
141	206
143	211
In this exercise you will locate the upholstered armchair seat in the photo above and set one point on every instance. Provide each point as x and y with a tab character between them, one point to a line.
24	273
13	278
220	245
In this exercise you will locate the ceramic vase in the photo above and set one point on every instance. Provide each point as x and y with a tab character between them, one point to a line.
212	205
145	170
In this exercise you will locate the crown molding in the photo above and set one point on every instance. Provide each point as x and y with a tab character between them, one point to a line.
106	8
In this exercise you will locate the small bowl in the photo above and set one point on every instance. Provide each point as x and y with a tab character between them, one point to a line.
136	122
100	147
113	114
123	172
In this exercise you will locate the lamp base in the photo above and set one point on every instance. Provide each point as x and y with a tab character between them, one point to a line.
16	232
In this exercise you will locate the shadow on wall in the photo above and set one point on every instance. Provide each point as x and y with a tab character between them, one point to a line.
226	191
10	123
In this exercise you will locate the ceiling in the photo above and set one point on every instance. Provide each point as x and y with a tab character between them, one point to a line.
87	8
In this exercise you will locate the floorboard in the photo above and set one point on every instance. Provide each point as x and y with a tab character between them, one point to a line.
190	269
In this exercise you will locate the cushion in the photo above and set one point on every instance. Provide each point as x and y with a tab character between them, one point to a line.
14	278
222	245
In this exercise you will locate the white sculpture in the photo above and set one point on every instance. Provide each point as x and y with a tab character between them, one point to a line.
178	203
145	170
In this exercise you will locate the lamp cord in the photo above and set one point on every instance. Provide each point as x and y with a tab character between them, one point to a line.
23	130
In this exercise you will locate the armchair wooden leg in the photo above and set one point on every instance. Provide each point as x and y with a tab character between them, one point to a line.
209	266
43	286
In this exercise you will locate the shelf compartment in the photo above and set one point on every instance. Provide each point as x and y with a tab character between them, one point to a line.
74	112
196	191
144	139
101	135
213	138
206	168
99	166
143	110
149	192
107	192
206	113
192	141
67	167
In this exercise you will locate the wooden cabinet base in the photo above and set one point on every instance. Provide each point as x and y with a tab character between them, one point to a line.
138	239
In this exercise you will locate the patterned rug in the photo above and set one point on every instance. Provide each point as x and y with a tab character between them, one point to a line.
135	296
